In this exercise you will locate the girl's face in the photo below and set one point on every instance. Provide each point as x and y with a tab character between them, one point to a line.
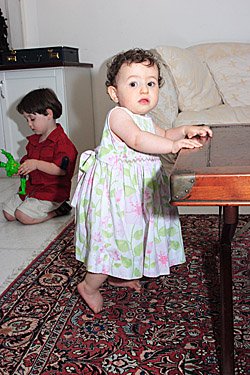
136	88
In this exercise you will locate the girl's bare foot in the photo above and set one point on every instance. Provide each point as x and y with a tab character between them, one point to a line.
133	284
93	298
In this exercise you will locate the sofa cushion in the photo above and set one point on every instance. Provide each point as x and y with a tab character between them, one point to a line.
195	86
222	114
229	63
219	50
232	76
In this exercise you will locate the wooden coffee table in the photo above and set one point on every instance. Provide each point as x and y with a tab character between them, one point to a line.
218	174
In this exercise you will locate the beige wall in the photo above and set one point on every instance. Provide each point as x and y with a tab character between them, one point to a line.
101	28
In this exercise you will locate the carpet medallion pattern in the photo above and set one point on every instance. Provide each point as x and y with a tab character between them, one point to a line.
171	327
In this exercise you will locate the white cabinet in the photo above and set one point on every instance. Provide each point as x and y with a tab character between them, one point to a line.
72	84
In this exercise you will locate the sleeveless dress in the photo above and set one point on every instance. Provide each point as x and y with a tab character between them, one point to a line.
125	226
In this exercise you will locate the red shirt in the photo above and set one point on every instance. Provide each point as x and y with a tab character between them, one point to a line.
56	146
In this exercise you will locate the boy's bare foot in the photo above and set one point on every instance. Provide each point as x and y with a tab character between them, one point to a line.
133	284
93	299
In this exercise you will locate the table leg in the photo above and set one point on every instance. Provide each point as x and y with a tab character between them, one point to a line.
230	221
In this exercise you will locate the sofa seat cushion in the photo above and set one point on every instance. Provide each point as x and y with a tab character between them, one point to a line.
222	114
194	84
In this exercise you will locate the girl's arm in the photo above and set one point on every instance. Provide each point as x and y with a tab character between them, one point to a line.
125	129
181	132
30	165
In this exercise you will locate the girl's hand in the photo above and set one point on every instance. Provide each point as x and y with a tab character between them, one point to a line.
201	131
28	166
185	143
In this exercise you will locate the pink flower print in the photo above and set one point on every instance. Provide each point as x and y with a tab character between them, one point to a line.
105	270
120	168
137	208
113	159
104	221
96	237
116	255
163	258
99	258
119	231
107	193
90	210
149	248
118	196
117	163
90	180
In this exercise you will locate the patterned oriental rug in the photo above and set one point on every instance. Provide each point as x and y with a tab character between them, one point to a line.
171	328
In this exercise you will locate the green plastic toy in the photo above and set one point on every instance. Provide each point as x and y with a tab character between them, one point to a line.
11	168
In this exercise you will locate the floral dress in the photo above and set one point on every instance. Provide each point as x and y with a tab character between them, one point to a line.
125	226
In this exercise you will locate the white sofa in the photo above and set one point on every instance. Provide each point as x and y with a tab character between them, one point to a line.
204	84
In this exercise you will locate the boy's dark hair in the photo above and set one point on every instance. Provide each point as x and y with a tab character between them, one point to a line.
136	55
38	101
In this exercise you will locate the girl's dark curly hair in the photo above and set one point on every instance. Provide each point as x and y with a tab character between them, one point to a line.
136	55
38	101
